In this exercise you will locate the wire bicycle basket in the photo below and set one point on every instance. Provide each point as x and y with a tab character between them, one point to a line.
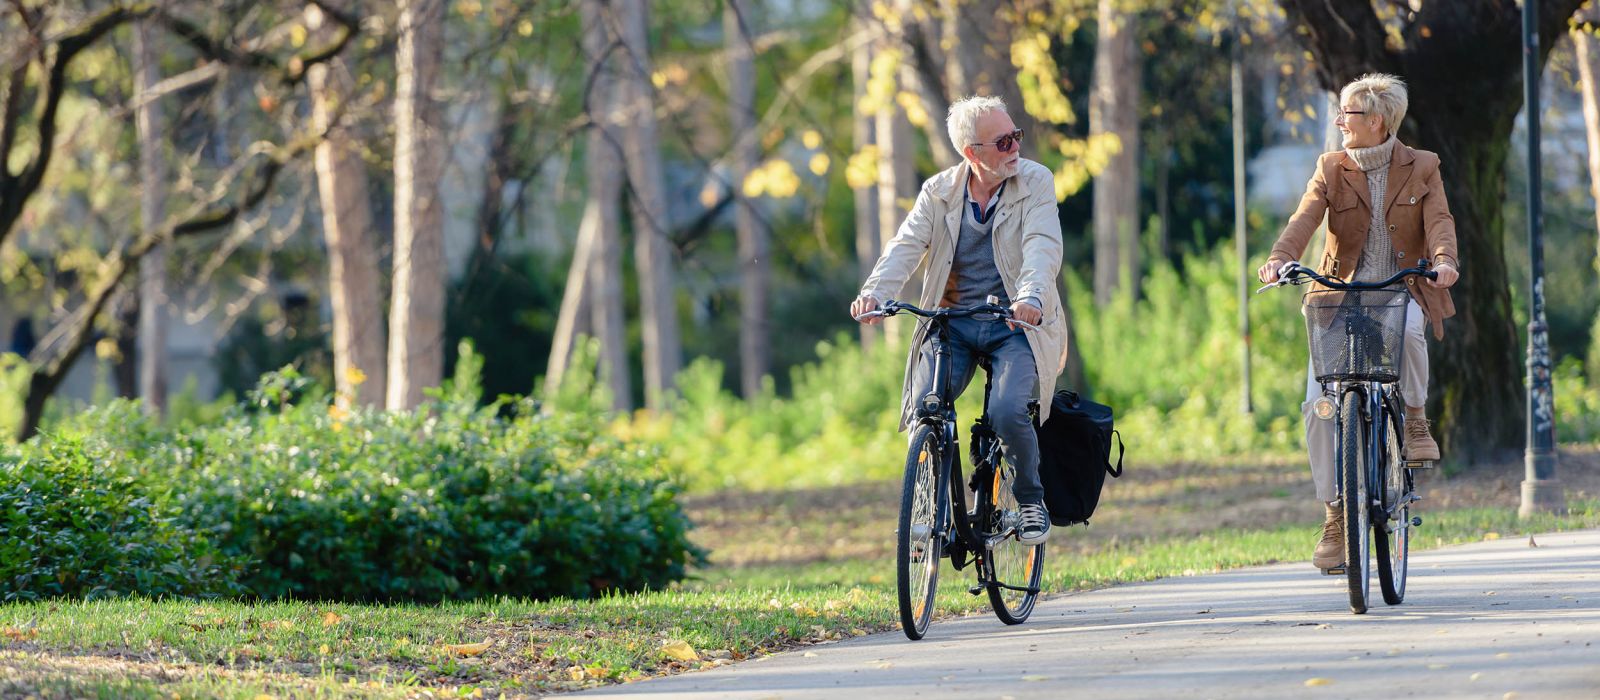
1356	335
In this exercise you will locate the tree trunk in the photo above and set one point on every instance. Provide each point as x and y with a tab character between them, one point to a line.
609	323
151	127
653	253
895	183
1465	79
755	269
1113	109
863	130
1588	50
416	312
354	280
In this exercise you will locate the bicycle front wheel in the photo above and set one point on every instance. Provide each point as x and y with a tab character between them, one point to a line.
1392	531
1353	499
917	539
1010	564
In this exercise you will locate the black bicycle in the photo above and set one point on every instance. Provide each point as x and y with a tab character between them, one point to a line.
934	518
1357	335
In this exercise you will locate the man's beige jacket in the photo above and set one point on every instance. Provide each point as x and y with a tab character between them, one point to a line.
1027	250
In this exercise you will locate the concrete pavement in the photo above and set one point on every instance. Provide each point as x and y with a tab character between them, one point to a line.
1496	619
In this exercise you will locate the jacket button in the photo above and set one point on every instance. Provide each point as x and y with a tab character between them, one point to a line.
1413	200
1391	227
1411	281
1400	254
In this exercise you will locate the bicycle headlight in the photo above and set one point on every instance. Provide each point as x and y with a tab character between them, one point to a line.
930	404
1323	408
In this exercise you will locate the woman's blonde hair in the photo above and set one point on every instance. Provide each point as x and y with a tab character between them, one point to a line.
1378	93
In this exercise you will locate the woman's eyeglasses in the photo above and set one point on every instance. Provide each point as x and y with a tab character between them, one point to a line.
1005	143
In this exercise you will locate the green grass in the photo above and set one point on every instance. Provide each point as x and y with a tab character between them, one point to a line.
146	648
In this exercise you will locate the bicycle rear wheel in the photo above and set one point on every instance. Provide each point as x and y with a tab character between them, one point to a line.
1353	498
1009	561
917	538
1392	531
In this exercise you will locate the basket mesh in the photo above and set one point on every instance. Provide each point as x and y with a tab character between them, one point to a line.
1356	335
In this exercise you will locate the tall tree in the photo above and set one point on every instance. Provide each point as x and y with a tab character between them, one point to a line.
150	124
864	187
653	250
1461	59
354	280
1587	44
755	267
1114	110
592	299
416	312
895	165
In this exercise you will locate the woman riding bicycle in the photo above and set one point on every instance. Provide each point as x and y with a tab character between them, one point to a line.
1386	208
986	227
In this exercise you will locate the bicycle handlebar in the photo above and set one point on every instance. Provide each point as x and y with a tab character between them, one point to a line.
892	307
1294	273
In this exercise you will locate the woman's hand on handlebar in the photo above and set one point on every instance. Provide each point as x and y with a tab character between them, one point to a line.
1270	270
863	308
1446	275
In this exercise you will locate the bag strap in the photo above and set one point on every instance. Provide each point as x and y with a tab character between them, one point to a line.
1115	473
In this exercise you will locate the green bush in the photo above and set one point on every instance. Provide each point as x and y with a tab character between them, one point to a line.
69	528
450	501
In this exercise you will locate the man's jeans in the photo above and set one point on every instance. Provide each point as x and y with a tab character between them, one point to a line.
1015	380
1319	431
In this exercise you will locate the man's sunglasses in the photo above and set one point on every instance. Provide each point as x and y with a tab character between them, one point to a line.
1005	143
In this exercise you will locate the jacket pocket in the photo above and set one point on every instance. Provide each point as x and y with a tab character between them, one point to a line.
1412	196
1345	201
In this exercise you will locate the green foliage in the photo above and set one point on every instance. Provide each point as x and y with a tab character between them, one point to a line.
71	528
1171	363
449	501
14	373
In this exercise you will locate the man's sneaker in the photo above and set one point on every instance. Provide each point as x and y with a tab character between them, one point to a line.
1035	526
1419	442
1330	550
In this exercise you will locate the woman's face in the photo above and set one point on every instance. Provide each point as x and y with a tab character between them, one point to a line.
1361	128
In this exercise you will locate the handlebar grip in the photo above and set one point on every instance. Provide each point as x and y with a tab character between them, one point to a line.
1431	274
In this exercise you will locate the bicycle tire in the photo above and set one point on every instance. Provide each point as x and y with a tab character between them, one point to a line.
1353	499
1010	558
917	548
1392	534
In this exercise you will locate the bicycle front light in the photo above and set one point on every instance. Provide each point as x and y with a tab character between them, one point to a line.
930	404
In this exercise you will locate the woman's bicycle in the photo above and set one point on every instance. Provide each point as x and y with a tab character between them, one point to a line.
934	518
1357	336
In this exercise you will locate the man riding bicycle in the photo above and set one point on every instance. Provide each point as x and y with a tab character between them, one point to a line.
1386	208
987	226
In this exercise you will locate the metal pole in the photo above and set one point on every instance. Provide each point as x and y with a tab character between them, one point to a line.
1241	240
1541	492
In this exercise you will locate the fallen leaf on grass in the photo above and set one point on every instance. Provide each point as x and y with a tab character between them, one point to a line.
1491	536
679	650
330	619
21	634
469	649
1314	682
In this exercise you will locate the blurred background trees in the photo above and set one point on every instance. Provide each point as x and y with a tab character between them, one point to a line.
633	195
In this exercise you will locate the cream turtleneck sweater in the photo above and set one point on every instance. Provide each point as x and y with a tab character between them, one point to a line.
1377	256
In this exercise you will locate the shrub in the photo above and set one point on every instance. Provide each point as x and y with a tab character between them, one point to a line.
68	528
449	501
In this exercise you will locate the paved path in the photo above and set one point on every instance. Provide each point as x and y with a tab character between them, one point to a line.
1481	621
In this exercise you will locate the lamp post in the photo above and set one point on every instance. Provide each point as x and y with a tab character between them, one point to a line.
1541	492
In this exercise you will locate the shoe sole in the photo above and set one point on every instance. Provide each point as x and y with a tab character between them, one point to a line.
1031	542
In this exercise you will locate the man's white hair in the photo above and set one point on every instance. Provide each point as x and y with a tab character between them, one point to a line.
962	122
1378	93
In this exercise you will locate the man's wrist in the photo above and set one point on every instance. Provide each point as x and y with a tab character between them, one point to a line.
1032	301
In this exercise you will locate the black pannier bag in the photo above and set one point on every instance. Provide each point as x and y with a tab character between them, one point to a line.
1075	457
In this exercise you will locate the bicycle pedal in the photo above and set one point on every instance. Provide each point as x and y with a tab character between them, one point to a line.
1334	571
975	590
1419	464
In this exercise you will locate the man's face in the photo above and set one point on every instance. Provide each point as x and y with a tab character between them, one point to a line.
987	156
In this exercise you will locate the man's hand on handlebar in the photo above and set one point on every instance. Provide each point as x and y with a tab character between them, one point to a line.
1026	313
864	305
